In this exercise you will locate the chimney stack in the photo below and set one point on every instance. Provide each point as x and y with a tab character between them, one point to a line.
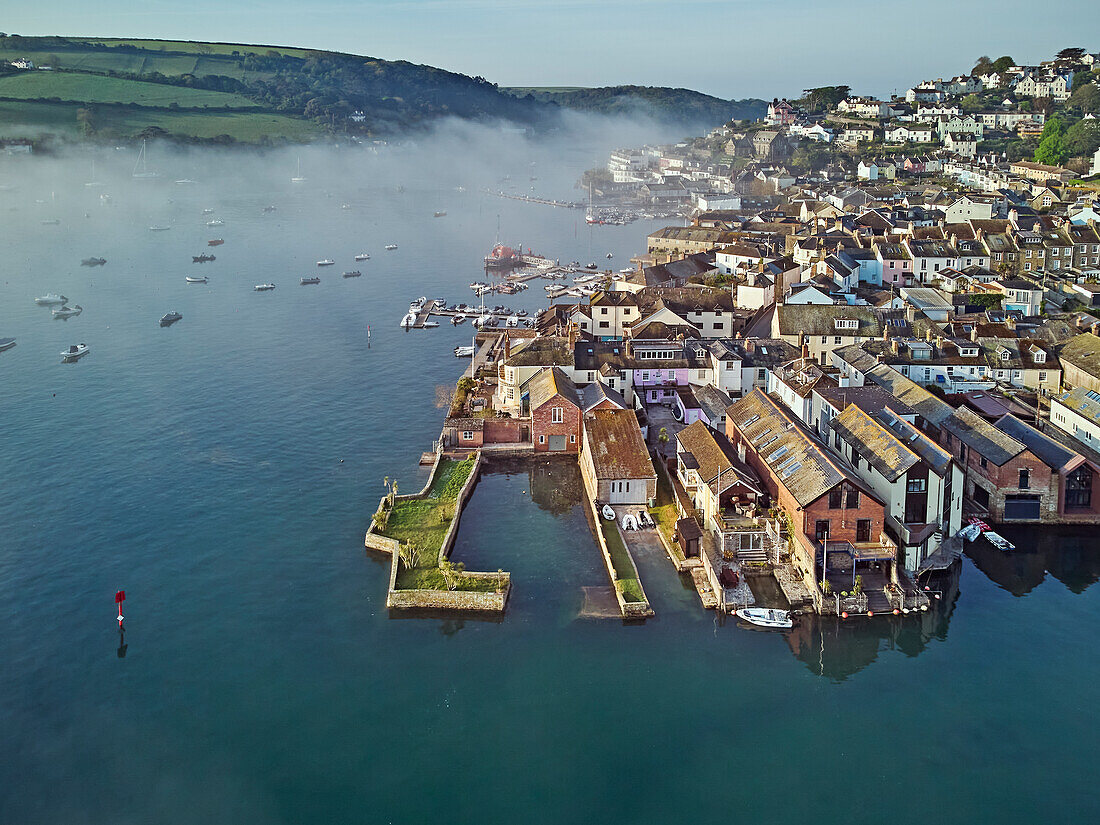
1010	322
741	451
974	333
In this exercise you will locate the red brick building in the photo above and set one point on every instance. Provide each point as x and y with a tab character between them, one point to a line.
822	499
555	411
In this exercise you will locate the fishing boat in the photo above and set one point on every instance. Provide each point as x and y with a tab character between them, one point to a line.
362	256
264	287
326	262
74	352
313	280
201	259
93	262
391	246
998	541
194	279
6	343
766	617
170	318
353	274
49	299
464	352
215	242
67	311
140	170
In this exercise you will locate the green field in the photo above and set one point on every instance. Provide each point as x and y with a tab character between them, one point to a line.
123	122
90	88
196	48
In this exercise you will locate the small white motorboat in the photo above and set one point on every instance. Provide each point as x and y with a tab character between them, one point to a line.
483	321
264	287
362	256
512	321
159	228
430	324
460	352
208	211
458	319
391	246
998	541
194	279
184	181
67	311
313	280
8	343
170	318
608	512
354	274
630	522
326	262
215	222
766	617
408	320
74	352
50	298
970	532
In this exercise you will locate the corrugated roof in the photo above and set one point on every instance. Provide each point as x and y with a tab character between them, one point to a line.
616	446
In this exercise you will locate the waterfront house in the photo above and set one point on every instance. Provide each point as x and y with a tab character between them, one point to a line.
519	364
555	411
615	463
721	486
836	521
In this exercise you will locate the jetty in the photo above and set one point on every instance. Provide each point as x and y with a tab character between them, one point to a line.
536	199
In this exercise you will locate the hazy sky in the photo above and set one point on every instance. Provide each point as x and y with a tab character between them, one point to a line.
729	48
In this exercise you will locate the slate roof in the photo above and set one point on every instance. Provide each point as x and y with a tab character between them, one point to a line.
546	384
615	444
547	351
597	392
819	319
716	461
1081	403
796	460
874	443
1083	352
979	435
1046	449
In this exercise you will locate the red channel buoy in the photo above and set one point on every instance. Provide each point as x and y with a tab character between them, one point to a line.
844	615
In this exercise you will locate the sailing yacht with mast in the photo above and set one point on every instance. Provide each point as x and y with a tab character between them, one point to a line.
93	181
298	178
144	172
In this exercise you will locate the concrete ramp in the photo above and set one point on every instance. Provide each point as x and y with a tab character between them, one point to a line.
599	603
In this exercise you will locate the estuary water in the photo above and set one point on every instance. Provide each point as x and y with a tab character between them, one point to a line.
223	471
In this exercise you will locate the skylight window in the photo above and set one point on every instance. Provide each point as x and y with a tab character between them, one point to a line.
794	468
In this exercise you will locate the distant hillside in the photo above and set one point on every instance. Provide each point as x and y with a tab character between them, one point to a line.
663	103
116	77
107	88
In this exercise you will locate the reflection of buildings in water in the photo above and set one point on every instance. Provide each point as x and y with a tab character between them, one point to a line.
1066	552
555	484
837	648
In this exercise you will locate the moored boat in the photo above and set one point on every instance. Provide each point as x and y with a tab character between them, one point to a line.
391	246
464	352
74	351
201	259
192	279
215	222
408	320
264	287
362	256
67	311
608	512
159	228
49	299
766	617
313	280
170	318
215	242
93	262
326	262
440	214
998	541
6	343
353	274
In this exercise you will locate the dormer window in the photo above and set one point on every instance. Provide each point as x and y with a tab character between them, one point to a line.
1039	356
1005	355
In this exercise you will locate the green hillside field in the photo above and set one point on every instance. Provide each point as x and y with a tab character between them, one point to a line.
90	88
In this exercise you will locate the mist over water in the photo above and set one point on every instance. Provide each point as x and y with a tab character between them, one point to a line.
223	471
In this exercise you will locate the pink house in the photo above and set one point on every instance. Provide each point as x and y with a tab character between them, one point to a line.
897	263
657	384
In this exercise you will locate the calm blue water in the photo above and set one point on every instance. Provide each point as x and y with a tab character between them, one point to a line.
223	471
